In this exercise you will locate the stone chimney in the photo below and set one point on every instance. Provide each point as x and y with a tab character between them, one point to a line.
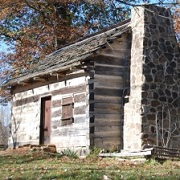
152	114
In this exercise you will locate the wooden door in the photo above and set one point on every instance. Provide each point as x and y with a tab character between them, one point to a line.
45	122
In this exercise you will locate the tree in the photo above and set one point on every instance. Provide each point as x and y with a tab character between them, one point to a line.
34	29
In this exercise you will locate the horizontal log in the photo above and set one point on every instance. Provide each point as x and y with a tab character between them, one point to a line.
107	99
111	146
73	142
110	134
114	53
79	98
107	129
70	132
108	140
99	76
109	76
107	111
110	106
100	60
80	110
80	119
107	122
56	113
56	103
27	100
109	82
55	124
108	116
108	91
98	101
116	71
70	89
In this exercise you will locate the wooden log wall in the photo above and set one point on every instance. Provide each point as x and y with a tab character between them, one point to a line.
110	84
98	100
27	106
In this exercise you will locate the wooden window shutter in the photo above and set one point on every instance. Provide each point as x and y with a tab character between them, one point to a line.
67	111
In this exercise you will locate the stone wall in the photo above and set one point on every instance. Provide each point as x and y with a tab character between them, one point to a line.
152	115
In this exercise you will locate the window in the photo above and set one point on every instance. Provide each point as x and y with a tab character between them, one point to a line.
67	111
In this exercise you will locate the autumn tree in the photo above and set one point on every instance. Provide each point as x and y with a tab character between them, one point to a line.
34	29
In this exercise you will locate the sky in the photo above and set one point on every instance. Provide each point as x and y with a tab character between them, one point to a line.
3	46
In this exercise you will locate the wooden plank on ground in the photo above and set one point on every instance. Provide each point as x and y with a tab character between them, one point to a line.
126	154
166	153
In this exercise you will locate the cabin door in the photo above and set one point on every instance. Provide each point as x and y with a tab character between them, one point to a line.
45	122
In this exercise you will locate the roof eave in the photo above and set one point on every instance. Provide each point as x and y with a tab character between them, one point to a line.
71	55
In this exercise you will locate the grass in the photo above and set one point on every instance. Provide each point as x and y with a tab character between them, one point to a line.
37	166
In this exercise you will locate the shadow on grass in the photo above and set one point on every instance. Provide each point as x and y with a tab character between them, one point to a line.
20	159
76	175
99	175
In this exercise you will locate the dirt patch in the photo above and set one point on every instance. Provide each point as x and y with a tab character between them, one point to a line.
27	149
20	151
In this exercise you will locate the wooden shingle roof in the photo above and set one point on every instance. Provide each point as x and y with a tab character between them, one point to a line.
71	55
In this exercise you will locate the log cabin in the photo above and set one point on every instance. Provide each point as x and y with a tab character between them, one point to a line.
118	89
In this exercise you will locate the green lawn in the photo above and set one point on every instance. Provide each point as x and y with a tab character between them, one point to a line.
42	166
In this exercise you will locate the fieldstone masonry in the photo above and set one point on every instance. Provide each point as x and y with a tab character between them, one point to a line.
152	114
